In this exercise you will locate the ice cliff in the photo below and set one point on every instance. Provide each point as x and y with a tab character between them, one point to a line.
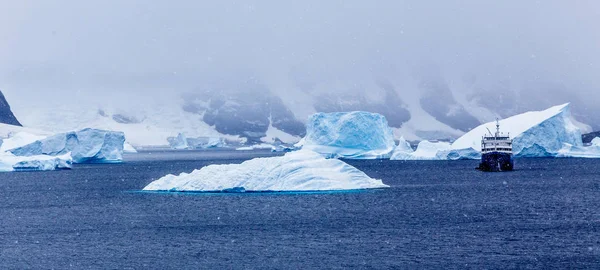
350	135
303	170
85	146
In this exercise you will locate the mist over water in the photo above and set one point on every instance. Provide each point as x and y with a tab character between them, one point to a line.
508	56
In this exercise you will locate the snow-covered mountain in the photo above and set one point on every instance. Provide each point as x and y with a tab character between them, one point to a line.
254	111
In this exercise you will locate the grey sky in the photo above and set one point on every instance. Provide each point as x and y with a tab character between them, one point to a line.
141	45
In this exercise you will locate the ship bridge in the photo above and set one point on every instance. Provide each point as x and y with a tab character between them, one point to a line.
497	142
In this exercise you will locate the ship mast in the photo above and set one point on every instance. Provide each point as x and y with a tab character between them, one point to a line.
497	128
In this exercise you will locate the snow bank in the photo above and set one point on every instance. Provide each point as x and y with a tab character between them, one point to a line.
85	146
536	134
352	135
296	171
10	162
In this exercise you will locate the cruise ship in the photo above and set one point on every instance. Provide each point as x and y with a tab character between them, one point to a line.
496	152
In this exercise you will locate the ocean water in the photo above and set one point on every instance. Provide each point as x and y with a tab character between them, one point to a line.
546	214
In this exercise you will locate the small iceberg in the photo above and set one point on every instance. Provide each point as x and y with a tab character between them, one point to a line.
350	135
302	170
10	162
426	150
181	142
85	146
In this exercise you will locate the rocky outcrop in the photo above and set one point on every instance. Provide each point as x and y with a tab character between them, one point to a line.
6	115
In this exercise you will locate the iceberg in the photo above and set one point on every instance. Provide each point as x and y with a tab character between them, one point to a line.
10	162
426	150
128	148
261	146
181	142
303	170
350	135
591	151
535	134
85	146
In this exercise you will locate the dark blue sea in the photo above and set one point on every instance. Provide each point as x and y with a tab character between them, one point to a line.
436	215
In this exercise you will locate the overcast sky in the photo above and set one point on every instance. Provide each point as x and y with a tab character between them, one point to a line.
140	45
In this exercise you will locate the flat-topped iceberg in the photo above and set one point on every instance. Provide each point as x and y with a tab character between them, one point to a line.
182	142
85	146
10	162
350	135
303	170
535	134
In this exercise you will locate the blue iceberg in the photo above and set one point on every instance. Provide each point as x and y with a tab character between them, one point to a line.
350	135
85	146
536	134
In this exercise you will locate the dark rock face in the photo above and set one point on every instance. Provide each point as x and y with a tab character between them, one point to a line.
587	138
246	112
392	108
6	115
439	102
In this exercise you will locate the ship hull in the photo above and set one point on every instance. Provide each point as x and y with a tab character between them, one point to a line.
496	162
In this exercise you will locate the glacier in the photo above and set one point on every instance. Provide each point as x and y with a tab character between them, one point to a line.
302	170
350	135
10	162
535	134
85	146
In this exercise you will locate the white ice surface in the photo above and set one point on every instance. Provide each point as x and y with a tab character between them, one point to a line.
296	171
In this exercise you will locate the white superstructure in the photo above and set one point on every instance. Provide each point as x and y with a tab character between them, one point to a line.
497	142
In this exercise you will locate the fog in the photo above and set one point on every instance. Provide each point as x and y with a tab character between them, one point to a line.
538	49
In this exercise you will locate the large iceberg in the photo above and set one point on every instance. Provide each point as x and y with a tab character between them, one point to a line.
10	162
549	133
351	135
535	134
303	170
85	146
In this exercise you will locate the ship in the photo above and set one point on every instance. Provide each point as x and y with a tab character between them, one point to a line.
496	152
